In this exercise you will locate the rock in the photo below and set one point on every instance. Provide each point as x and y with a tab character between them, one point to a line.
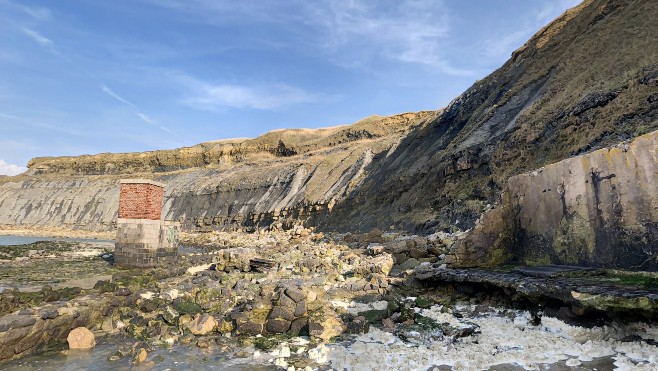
11	321
389	325
379	264
375	249
122	291
358	325
49	313
250	328
225	326
418	252
202	324
277	326
170	315
81	338
295	295
299	327
324	325
300	309
140	356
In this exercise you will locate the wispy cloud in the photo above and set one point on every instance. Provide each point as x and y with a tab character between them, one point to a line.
146	118
207	96
503	45
355	33
167	130
40	39
142	116
9	117
404	30
114	95
10	169
37	12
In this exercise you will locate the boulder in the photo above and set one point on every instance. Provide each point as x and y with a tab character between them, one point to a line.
81	338
277	325
379	264
202	324
140	356
324	324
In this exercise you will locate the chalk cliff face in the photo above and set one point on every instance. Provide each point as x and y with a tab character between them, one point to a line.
598	209
281	178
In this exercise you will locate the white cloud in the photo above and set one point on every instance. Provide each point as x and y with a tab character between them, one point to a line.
206	96
146	118
37	12
503	45
114	95
9	117
351	33
40	39
10	169
405	30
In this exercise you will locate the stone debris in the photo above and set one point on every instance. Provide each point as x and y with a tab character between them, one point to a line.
324	288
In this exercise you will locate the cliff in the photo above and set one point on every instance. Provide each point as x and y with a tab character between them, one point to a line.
586	81
280	178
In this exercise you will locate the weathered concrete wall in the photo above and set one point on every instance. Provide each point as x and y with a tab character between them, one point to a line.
598	209
145	243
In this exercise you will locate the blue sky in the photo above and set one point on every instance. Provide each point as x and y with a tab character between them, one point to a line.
87	76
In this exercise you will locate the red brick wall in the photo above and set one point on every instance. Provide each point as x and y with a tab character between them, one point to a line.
140	201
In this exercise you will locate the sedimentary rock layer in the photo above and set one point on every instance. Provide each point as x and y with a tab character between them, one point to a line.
307	173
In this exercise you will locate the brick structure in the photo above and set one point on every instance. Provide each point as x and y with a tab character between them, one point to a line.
143	239
140	199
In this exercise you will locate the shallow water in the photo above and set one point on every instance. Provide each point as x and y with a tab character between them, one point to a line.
9	240
180	357
12	240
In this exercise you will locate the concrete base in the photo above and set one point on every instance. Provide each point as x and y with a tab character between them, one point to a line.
144	243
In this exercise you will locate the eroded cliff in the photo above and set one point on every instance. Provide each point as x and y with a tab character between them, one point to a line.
586	81
281	178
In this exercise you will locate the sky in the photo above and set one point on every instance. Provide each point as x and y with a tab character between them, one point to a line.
87	76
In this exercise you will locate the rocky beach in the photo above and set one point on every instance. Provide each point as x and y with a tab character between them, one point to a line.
516	228
301	299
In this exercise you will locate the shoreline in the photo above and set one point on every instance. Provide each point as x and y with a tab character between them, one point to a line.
55	232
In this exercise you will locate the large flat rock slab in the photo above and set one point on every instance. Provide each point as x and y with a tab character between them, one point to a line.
555	270
595	292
